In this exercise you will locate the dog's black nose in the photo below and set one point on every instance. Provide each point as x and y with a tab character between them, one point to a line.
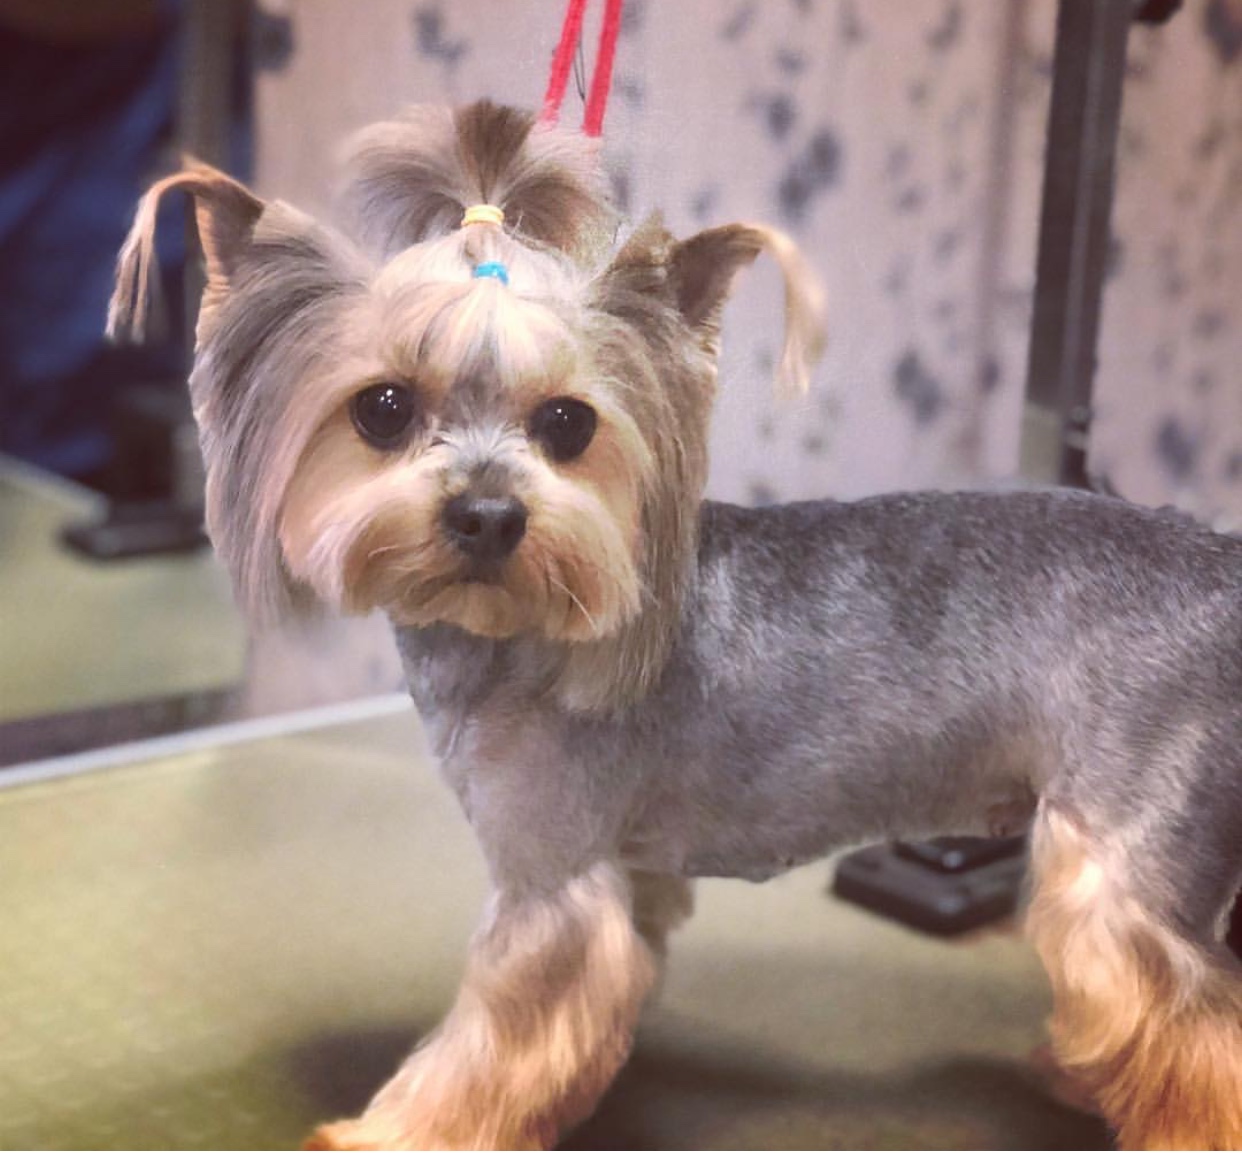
485	529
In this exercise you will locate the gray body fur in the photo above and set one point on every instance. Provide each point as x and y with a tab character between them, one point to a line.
909	664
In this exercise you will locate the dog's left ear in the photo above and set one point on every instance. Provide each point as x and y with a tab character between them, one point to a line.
225	212
702	270
696	276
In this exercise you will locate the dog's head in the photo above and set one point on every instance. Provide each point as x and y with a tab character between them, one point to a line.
492	424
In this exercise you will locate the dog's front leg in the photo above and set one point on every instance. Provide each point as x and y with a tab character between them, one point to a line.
543	1021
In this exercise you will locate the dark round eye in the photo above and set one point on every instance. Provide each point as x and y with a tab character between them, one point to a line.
564	427
384	415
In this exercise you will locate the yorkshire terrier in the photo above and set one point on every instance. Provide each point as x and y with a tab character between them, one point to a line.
465	409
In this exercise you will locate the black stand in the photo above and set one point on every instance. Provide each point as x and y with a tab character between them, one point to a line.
1084	119
156	436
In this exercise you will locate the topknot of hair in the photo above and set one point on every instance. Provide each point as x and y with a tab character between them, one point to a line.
410	179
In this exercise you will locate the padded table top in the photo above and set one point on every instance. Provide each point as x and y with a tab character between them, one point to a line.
78	634
218	941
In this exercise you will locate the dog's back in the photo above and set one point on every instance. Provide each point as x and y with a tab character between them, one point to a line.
923	663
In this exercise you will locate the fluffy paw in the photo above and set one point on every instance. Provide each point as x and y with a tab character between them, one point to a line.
1063	1086
346	1135
361	1134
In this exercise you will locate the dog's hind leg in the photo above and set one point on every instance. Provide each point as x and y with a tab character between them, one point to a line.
543	1021
1147	1015
661	904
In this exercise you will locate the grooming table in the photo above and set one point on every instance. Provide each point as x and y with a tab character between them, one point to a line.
93	652
217	940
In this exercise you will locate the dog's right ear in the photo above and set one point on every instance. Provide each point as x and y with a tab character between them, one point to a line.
225	212
695	277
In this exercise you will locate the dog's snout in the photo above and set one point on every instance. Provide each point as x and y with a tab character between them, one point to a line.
484	528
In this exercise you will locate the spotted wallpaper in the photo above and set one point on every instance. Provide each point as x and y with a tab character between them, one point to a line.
1170	381
901	142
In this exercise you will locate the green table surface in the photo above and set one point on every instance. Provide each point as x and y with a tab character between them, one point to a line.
218	944
77	634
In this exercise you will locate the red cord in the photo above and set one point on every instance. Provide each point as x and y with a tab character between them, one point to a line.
562	61
601	82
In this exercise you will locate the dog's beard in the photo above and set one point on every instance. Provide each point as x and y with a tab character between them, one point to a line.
377	541
570	578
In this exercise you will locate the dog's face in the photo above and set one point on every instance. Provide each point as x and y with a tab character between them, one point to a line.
476	460
481	427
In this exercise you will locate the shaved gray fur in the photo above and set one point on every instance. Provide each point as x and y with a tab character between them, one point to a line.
895	667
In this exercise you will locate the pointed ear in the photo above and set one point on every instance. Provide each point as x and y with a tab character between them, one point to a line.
640	267
225	212
701	271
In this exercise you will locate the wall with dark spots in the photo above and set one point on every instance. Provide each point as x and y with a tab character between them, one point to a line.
809	173
431	38
1177	449
864	129
917	388
630	90
738	24
633	16
901	143
945	33
272	43
703	203
619	181
1222	23
790	61
849	23
779	114
1169	385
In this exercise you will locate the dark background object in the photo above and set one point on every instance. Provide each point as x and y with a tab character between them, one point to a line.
123	86
157	481
1074	231
156	474
87	117
1156	11
950	885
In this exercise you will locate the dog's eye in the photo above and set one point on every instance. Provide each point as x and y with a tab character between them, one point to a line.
384	415
564	427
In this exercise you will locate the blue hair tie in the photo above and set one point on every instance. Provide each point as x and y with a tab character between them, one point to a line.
494	269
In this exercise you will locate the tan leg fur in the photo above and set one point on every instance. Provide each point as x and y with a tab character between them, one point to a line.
1149	1023
543	1021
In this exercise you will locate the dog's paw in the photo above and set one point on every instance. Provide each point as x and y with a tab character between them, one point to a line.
1062	1085
347	1135
361	1134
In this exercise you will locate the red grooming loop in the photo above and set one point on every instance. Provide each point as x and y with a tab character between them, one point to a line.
562	62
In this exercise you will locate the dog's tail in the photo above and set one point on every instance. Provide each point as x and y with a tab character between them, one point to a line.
1147	1020
410	180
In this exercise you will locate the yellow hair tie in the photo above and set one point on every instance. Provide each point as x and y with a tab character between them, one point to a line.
483	215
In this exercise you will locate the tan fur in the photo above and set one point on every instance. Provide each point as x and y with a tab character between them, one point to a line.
224	211
704	268
1143	1021
543	1021
361	528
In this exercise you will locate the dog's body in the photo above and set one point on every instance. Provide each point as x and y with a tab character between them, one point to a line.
495	430
910	664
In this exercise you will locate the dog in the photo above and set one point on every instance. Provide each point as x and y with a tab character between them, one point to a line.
473	409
